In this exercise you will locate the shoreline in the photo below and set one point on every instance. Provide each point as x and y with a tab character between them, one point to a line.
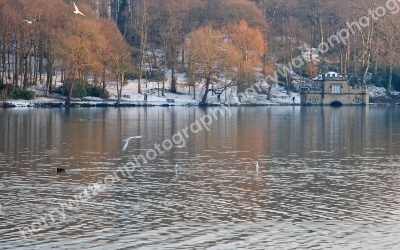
123	104
90	102
110	104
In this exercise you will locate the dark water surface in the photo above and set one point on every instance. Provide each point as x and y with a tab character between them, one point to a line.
327	178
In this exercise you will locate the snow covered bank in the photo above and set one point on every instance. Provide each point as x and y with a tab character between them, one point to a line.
131	97
185	97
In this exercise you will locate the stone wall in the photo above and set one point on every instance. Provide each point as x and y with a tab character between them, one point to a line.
335	89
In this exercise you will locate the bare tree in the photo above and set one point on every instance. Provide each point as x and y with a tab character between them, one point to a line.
213	57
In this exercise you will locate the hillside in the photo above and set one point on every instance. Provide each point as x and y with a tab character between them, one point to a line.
221	45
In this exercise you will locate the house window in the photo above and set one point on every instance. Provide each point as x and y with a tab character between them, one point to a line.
336	89
314	100
357	100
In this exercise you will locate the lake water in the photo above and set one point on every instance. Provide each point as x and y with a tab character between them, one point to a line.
327	178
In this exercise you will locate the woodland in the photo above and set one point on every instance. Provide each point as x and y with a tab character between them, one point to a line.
217	43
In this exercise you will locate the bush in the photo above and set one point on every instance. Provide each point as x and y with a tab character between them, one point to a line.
375	81
292	88
132	75
61	90
106	94
11	91
281	78
94	90
14	92
27	94
79	89
82	89
353	81
396	81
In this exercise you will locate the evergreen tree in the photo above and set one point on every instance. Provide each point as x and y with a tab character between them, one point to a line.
123	16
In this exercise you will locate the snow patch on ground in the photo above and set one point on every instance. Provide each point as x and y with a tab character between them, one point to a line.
375	92
312	53
152	89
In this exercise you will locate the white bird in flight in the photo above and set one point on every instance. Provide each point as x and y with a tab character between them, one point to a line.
29	21
77	11
126	141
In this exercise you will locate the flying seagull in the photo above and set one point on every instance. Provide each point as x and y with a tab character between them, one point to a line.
29	21
77	11
126	141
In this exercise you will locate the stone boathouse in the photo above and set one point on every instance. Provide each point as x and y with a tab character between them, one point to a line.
333	89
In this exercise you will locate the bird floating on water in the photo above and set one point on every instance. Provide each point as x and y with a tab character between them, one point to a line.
77	11
4	204
126	141
177	168
60	170
85	192
96	186
256	166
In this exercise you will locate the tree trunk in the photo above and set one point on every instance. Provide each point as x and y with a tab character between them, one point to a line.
104	82
390	77
367	59
143	43
204	99
35	68
68	101
155	65
183	53
269	89
25	81
16	63
287	83
41	66
21	68
321	30
3	61
356	73
364	75
122	84
164	72
49	80
140	81
173	79
172	64
347	58
8	64
118	93
119	90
